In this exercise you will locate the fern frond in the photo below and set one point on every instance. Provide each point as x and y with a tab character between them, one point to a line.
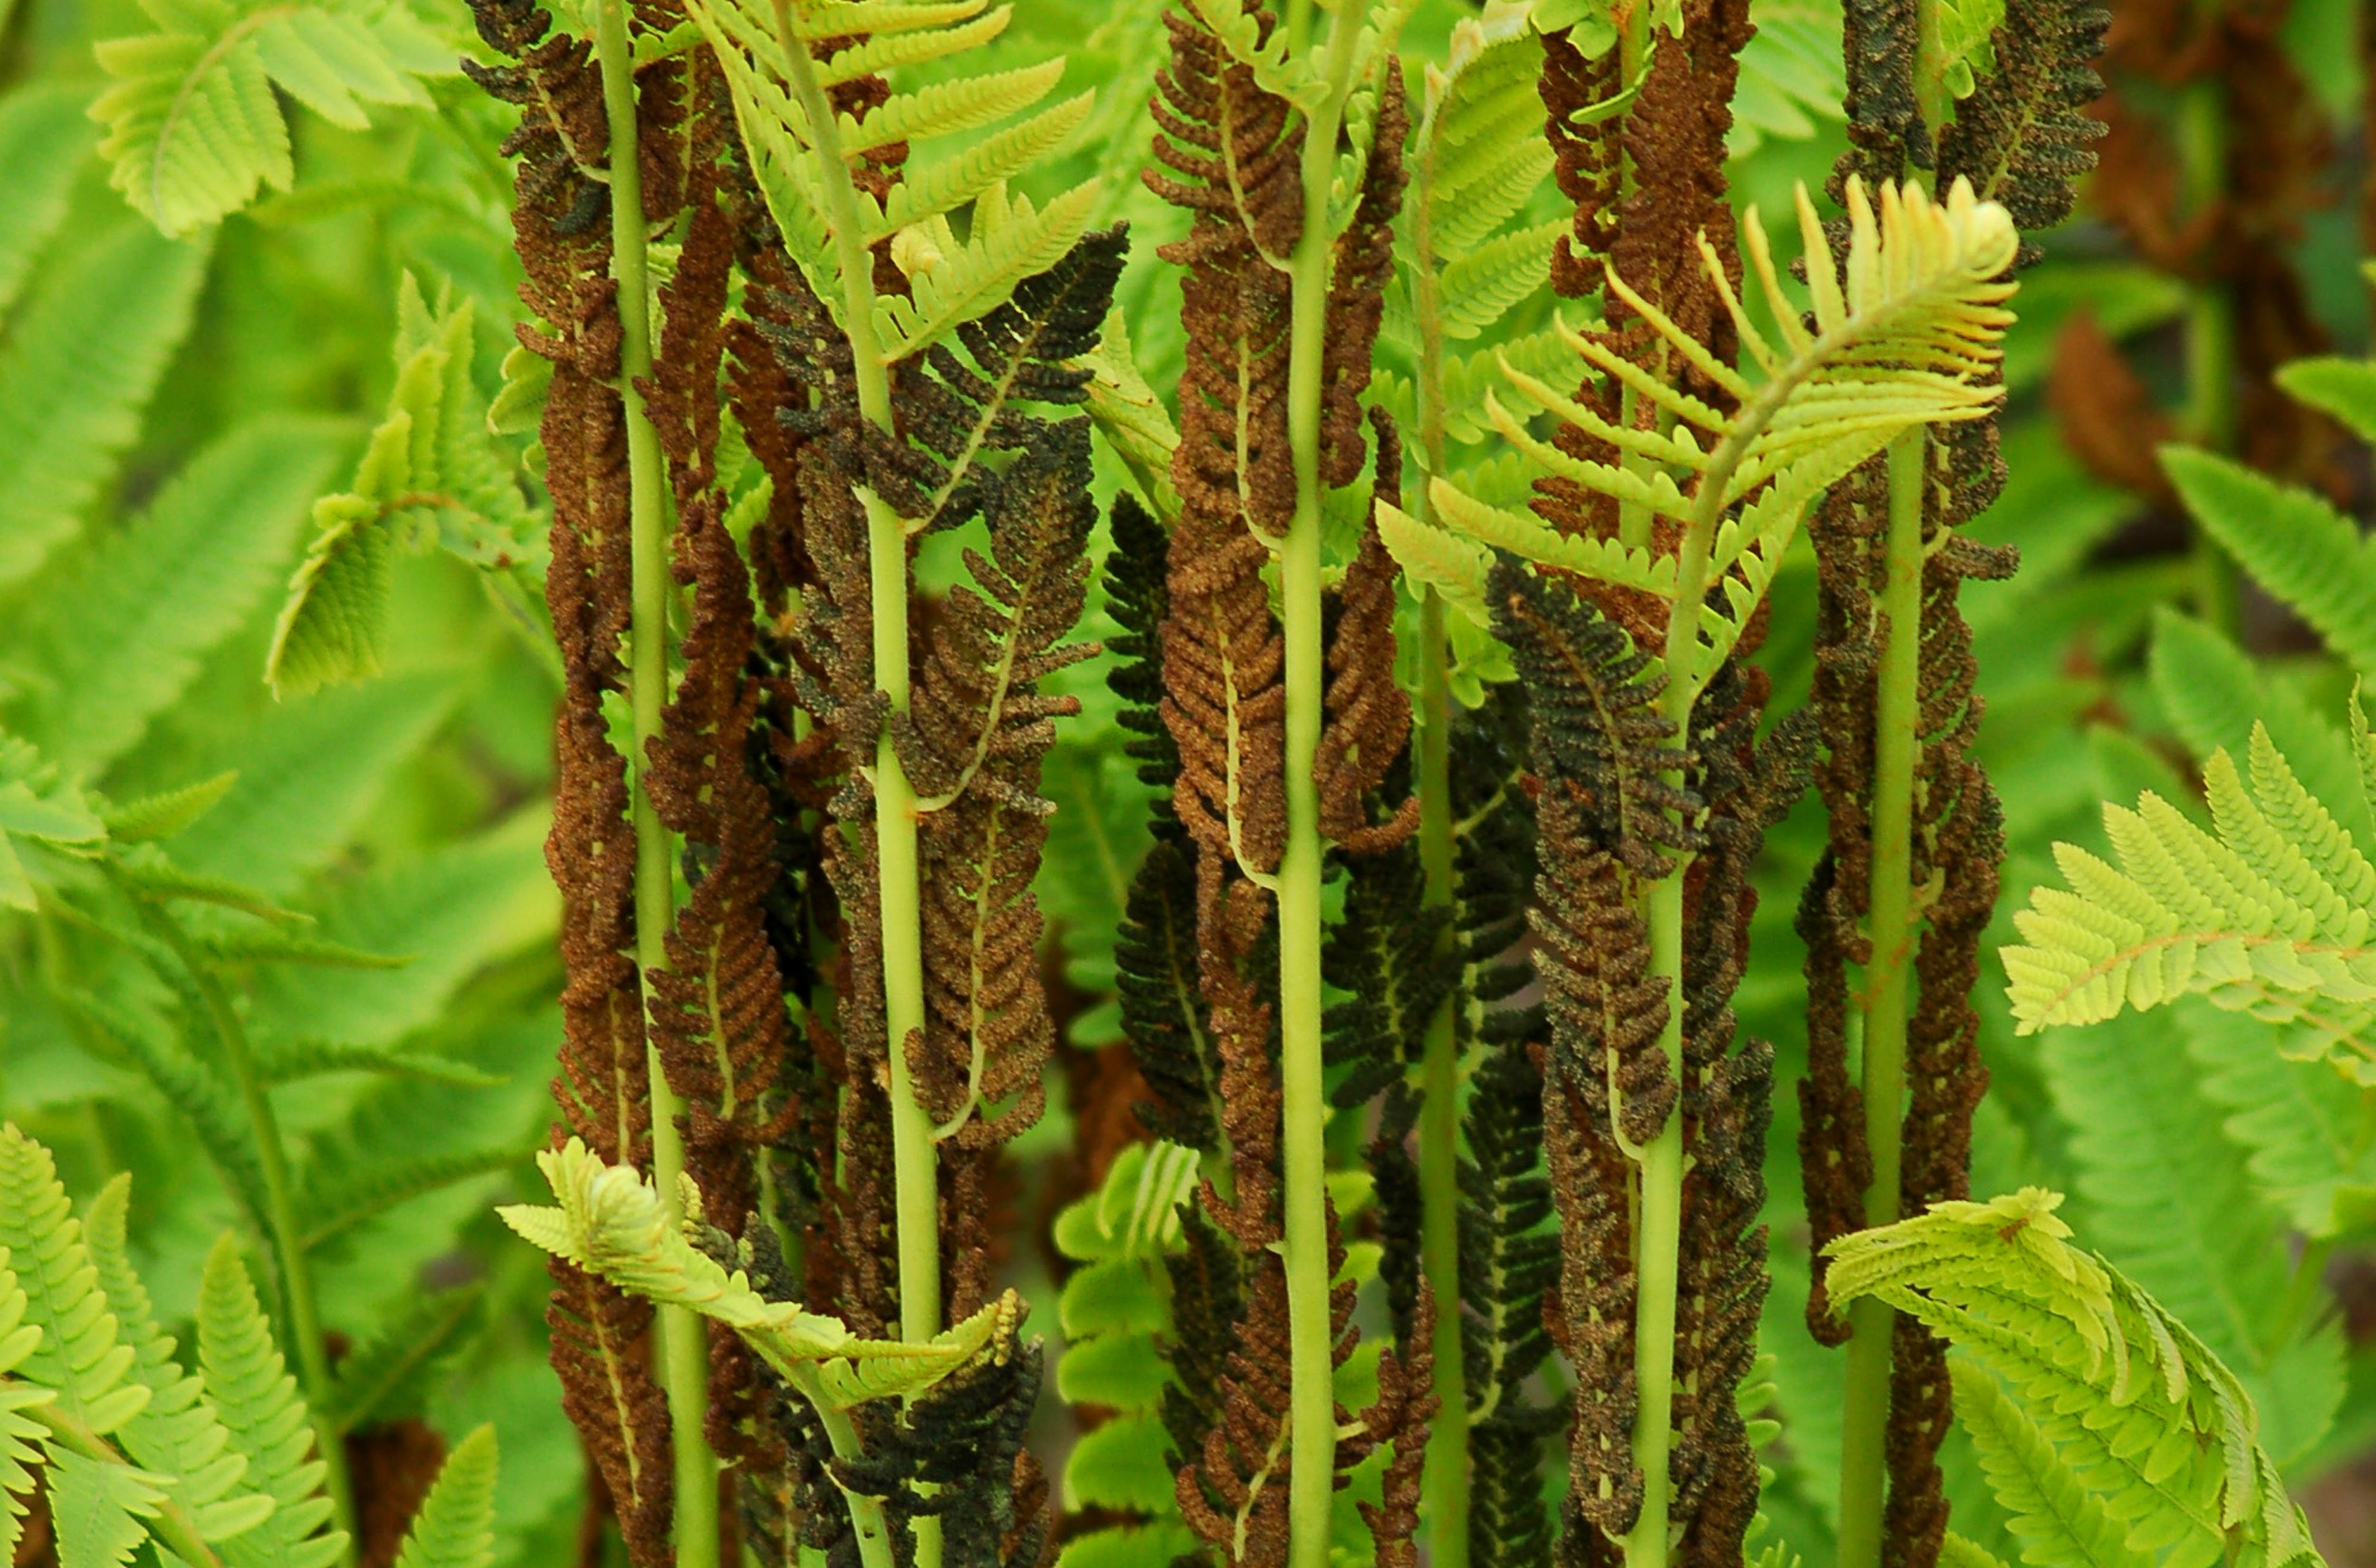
98	1508
187	1085
39	807
429	473
166	813
293	1061
43	140
374	1377
119	637
951	280
1481	284
2271	913
194	128
2343	389
2304	551
455	1528
2118	1402
336	1201
966	104
611	1223
178	1434
948	183
79	1354
252	1392
87	347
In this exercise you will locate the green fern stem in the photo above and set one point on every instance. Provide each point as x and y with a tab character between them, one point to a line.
1444	1477
1312	1405
1633	64
683	1341
171	1526
280	1205
1892	923
868	1523
914	1159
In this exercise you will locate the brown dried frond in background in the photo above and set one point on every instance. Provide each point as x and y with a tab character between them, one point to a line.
2105	411
1362	265
1398	1418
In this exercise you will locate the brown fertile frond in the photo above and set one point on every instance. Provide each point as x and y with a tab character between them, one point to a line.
562	140
1598	730
1238	942
1208	1285
1591	1319
953	414
1398	1417
2105	412
1362	265
600	1352
1879	40
1233	150
1587	159
1234	1494
2022	137
972	742
1369	719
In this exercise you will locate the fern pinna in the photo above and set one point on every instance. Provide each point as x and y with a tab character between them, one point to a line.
1893	914
806	815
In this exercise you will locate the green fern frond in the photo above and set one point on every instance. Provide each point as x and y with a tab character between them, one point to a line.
374	1376
85	348
193	128
345	1196
166	813
39	807
119	637
98	1508
1904	337
79	1354
2343	389
2270	913
2121	1404
178	1435
43	140
252	1392
428	474
455	1528
293	1061
1481	285
802	153
2302	550
1791	77
611	1223
1137	428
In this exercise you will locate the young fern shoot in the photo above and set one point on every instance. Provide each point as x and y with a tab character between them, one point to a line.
1648	768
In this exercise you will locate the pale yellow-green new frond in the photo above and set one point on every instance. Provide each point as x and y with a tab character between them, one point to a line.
2106	1428
1904	334
803	155
611	1222
2269	912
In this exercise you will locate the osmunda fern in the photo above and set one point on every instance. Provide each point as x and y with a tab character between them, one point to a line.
2106	1428
214	1466
2268	912
195	125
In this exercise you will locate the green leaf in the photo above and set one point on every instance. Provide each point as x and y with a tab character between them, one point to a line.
167	813
1129	1545
35	804
79	1355
119	637
1123	1372
2303	550
1117	1295
951	281
178	1435
293	1061
307	775
2345	390
344	1194
194	128
2312	1148
96	1506
2061	1524
192	1089
455	1528
374	1378
43	140
258	1402
1121	1463
86	350
429	473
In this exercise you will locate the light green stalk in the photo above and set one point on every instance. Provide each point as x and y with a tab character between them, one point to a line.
683	1343
1312	1421
2210	336
280	1208
1893	924
914	1161
1444	1479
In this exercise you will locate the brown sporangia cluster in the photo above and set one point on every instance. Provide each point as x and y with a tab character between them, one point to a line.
2277	154
600	1334
1670	144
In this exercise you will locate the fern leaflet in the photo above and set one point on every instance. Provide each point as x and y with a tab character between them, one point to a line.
455	1528
253	1391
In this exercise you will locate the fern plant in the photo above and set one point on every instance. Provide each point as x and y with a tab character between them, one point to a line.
130	1447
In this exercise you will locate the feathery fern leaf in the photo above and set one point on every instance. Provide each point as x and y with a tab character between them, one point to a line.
89	343
178	1435
2121	1406
428	474
166	813
2343	389
99	1509
2302	549
336	1201
455	1528
193	128
375	1378
79	1354
119	638
39	808
256	1398
43	140
1905	338
2270	914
